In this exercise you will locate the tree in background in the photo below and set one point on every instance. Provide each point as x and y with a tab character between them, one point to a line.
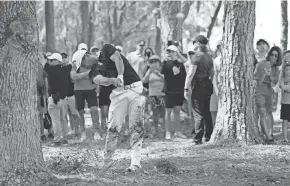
49	26
20	147
284	36
173	14
84	9
235	119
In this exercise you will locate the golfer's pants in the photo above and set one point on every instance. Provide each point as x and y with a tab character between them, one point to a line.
123	102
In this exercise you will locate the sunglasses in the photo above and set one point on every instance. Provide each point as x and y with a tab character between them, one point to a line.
169	51
191	53
274	55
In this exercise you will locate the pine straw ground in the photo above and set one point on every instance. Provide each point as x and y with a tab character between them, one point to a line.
174	162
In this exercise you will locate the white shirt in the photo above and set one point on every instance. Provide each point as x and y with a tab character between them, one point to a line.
137	62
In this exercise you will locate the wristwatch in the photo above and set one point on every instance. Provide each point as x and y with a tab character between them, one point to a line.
186	89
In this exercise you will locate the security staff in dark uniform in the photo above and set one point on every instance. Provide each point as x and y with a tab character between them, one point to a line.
199	76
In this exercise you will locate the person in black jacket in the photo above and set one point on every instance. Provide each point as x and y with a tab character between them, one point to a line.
60	93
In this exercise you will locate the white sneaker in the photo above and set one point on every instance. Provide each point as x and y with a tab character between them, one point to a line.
179	135
168	135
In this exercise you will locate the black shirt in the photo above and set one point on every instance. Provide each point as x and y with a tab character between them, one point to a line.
109	67
59	80
204	64
173	83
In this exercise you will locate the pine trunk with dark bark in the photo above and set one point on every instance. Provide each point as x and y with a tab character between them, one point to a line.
85	21
20	147
236	119
49	26
171	27
284	36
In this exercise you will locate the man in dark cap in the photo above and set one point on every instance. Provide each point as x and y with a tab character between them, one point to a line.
199	76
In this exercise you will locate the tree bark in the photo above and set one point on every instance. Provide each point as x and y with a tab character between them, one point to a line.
49	26
20	147
236	118
171	27
213	19
85	21
284	36
91	26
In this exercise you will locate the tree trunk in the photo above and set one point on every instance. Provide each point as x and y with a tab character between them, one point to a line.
20	147
91	26
171	27
49	26
284	36
236	118
85	21
213	19
158	40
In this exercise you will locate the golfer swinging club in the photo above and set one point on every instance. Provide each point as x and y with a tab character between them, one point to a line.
114	69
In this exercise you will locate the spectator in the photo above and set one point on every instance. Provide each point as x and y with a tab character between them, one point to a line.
174	76
285	100
262	50
41	98
136	59
214	96
156	96
69	101
275	57
85	91
200	71
57	92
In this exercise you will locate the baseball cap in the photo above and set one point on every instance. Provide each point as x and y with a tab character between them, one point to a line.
119	48
201	39
154	57
173	48
78	57
56	56
262	41
141	43
83	46
219	43
94	48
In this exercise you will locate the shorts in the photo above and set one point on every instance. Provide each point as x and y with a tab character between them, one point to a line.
86	95
285	110
104	96
213	103
264	101
173	99
158	105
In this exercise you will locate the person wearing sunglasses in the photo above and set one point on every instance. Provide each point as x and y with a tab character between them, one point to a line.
174	79
266	77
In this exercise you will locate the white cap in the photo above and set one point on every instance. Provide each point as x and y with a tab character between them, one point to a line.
119	48
78	57
83	46
56	56
94	47
172	47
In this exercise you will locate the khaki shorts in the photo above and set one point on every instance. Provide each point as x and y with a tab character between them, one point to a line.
264	101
